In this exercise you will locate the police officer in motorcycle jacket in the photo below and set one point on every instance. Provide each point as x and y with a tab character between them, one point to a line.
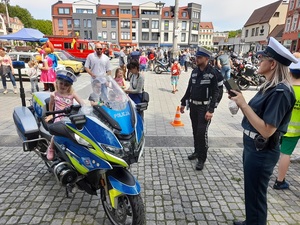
201	97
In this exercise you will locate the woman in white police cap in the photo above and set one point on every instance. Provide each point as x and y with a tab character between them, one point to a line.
266	118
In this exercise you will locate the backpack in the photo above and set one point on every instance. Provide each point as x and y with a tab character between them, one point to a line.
175	70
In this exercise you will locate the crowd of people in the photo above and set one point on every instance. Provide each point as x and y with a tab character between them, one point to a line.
271	119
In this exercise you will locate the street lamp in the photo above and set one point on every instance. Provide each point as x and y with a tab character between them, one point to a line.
7	16
159	5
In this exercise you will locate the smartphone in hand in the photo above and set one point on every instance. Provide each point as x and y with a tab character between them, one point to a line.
231	85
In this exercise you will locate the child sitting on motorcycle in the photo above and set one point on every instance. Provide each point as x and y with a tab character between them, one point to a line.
62	97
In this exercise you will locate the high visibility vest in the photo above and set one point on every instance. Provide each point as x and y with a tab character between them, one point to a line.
294	124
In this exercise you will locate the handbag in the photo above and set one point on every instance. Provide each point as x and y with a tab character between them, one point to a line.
145	96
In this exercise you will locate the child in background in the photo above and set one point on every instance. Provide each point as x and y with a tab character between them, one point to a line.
143	62
33	75
175	72
119	78
95	97
62	97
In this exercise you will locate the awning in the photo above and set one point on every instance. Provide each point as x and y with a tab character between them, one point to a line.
127	44
166	45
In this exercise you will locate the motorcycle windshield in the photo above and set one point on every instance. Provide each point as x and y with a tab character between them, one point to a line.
107	92
113	100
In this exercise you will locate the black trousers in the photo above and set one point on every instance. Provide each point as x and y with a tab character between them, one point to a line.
200	128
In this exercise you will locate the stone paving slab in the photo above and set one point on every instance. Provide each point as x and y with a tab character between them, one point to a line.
172	191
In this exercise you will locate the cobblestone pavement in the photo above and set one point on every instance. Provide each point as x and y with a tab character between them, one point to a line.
173	192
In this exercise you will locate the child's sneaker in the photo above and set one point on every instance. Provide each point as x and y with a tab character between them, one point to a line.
281	185
50	153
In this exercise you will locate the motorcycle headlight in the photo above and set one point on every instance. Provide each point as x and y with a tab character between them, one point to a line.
113	150
81	141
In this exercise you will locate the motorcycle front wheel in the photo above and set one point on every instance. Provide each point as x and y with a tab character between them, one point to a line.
158	70
130	210
242	83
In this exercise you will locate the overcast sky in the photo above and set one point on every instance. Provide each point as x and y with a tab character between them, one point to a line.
225	14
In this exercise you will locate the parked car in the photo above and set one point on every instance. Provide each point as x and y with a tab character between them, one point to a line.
26	57
73	66
71	57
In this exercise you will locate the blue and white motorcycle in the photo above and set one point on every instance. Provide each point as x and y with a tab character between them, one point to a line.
95	147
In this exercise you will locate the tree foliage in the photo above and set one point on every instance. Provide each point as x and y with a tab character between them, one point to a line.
234	33
45	26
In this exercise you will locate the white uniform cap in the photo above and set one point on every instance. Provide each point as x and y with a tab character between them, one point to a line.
295	67
278	52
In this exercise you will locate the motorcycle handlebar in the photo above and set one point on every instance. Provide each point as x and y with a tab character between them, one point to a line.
66	110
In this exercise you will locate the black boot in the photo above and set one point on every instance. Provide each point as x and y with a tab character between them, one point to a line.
193	156
199	165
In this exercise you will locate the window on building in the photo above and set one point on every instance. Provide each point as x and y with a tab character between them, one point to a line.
113	35
63	11
183	25
60	23
291	5
84	23
194	38
85	34
113	23
150	12
91	36
69	24
133	24
133	36
256	31
103	11
113	12
77	23
195	26
246	33
154	36
67	45
276	14
183	37
145	24
125	11
166	37
184	14
298	4
125	24
287	25
294	24
166	25
125	35
196	15
145	36
133	12
104	23
90	11
166	13
252	32
155	24
104	35
89	23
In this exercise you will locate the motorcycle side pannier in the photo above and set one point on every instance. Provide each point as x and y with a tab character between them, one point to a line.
27	127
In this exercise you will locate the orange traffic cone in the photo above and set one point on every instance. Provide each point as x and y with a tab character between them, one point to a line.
177	121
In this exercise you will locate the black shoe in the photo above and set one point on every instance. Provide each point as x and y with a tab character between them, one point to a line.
281	185
199	165
193	156
239	222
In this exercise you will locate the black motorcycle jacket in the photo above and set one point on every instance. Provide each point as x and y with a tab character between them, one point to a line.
203	86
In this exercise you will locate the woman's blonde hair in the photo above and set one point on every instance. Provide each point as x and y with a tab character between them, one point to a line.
280	75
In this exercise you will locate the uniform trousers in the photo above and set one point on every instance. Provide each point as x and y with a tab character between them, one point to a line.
258	168
200	127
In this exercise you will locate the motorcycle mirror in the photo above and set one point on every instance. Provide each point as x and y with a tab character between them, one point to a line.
78	120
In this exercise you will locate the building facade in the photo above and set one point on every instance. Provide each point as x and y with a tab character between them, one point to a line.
291	34
145	25
206	34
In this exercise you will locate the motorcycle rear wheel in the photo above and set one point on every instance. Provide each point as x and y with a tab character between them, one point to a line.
158	70
130	210
242	83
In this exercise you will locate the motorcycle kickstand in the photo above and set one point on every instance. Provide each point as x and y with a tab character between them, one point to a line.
69	188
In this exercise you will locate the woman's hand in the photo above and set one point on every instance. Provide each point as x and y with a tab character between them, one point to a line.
48	118
239	99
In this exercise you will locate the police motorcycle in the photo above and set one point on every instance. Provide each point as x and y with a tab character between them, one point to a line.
250	77
94	148
161	67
